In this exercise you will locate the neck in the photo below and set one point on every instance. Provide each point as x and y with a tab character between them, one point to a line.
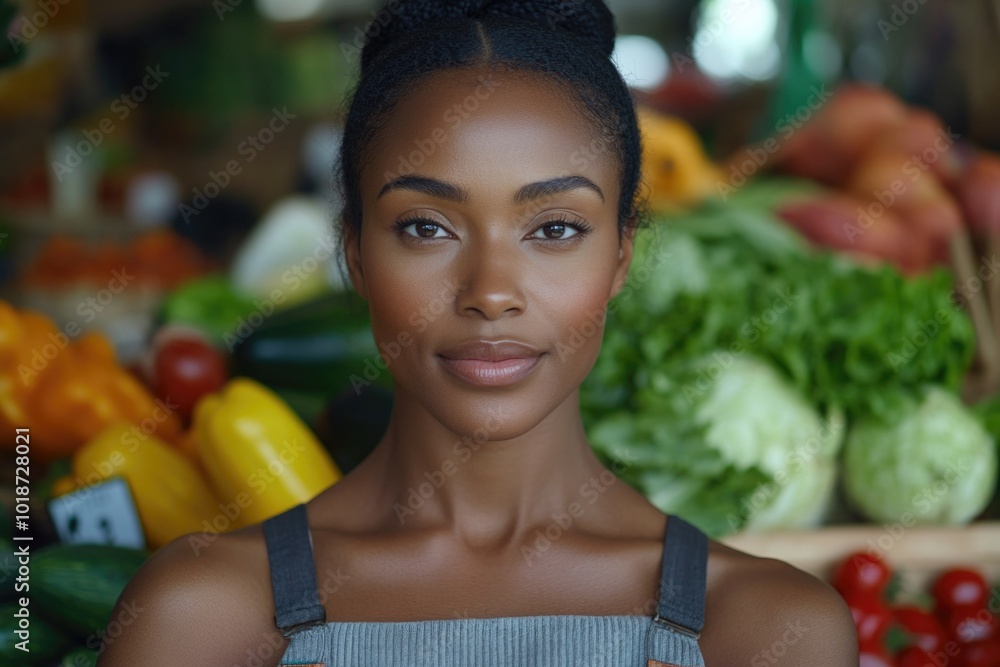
484	491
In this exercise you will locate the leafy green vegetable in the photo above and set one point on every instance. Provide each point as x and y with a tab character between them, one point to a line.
727	443
734	278
731	280
932	463
988	412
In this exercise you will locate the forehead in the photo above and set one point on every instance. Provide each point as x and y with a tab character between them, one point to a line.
502	129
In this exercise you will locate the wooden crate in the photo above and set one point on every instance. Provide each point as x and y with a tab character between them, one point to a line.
918	553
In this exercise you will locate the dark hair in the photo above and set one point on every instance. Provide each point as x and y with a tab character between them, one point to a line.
568	40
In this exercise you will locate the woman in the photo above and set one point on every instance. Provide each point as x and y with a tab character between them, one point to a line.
490	167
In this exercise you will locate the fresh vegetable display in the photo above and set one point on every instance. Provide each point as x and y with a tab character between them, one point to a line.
257	453
77	585
904	184
68	389
955	623
727	293
170	494
74	589
901	188
745	450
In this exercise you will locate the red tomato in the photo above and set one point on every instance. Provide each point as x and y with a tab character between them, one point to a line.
960	587
871	617
871	657
862	572
983	653
185	369
924	629
915	656
967	624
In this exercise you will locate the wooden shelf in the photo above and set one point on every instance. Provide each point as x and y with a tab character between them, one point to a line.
918	553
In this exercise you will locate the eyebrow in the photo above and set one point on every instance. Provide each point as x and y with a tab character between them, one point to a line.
427	186
554	186
530	192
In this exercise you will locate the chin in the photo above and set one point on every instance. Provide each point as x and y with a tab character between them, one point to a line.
483	419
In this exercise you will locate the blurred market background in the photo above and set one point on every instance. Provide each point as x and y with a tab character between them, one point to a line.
804	363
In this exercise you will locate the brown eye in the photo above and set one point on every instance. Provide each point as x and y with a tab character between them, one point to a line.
423	229
426	230
555	231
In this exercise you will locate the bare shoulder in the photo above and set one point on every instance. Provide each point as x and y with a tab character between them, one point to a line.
201	600
761	611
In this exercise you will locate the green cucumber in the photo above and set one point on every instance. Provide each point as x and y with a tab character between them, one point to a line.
45	642
8	573
77	585
79	657
322	346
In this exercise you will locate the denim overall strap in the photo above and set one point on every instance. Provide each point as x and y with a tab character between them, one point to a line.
293	572
682	578
672	639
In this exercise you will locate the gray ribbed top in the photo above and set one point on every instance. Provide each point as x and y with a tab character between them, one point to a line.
669	637
542	641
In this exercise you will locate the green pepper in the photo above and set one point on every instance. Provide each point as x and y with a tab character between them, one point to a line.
210	305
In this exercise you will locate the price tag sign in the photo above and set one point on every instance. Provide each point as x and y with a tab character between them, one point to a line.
101	514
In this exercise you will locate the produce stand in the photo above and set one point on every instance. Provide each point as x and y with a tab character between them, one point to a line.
808	340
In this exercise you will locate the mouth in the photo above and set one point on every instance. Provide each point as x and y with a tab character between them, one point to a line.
491	363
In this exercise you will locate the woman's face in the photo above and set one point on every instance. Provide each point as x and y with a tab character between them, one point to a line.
489	249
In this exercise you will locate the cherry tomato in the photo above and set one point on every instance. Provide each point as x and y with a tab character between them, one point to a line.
924	629
915	656
862	572
967	624
960	587
871	617
185	369
982	653
871	657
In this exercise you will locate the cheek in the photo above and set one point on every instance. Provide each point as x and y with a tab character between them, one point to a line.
576	310
405	298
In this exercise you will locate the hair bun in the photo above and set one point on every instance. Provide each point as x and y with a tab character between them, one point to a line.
589	20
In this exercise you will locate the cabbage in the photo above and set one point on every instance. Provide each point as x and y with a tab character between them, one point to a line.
726	442
934	463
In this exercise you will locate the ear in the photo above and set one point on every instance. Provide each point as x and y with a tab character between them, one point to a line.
626	244
352	254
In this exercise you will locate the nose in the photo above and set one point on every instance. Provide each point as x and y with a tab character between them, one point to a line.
492	285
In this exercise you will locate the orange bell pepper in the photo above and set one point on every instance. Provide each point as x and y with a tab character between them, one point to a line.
67	391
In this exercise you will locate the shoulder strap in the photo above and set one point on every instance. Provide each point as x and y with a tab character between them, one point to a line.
293	571
682	578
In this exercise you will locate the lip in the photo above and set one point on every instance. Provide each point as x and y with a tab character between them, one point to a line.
486	363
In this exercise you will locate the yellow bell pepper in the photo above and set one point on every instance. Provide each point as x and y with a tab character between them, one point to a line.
172	498
257	453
